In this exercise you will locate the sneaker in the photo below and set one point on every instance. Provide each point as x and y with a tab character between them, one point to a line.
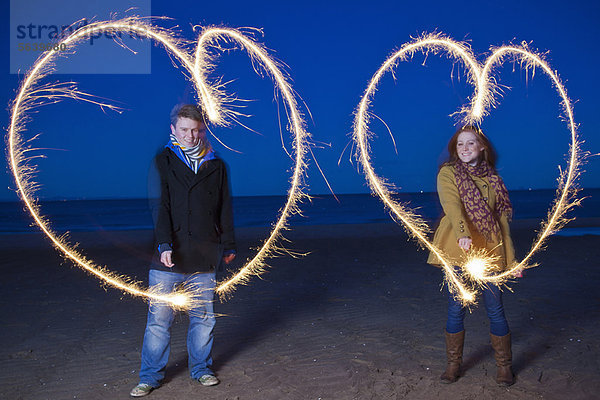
208	380
142	389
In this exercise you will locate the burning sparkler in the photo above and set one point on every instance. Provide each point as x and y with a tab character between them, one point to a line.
483	99
32	94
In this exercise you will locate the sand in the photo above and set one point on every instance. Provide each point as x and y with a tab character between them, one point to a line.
360	317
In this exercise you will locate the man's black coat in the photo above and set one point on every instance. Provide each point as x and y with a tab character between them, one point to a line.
195	213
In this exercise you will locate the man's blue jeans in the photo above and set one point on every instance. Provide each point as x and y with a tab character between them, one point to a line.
492	297
157	338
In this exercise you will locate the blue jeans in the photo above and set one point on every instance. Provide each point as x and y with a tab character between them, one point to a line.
157	338
492	297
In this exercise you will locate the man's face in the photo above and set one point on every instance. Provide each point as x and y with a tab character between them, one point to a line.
189	131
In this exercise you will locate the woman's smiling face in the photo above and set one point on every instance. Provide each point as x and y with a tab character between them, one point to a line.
468	148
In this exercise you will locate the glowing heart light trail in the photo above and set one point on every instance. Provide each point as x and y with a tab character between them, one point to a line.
202	64
478	266
31	94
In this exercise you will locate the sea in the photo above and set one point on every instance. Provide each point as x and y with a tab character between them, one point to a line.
262	211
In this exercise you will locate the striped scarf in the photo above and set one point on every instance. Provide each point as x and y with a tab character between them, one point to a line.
193	157
476	207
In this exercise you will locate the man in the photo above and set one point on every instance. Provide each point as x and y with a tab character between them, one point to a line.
194	232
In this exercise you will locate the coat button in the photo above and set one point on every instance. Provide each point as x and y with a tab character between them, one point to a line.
210	213
484	186
485	198
189	233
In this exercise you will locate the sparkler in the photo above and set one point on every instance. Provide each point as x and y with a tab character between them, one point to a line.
483	99
212	97
480	265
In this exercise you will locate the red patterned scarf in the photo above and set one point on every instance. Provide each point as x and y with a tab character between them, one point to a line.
476	207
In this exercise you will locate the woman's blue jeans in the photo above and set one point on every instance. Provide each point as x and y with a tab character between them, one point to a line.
492	298
157	338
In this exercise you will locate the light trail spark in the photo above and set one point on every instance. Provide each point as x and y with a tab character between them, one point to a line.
210	37
483	99
212	97
480	264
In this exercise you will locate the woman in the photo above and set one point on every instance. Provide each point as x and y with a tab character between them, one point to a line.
477	211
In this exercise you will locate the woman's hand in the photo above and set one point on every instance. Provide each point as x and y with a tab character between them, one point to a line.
465	243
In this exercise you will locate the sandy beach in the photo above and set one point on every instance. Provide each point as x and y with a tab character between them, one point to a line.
359	317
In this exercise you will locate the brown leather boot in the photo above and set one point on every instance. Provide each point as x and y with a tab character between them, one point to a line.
454	352
503	356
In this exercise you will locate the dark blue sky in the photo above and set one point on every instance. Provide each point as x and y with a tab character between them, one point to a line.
331	51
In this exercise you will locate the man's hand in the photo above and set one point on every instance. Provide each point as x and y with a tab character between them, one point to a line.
228	258
165	258
465	243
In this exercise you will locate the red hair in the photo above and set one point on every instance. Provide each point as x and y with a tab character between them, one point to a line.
488	153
